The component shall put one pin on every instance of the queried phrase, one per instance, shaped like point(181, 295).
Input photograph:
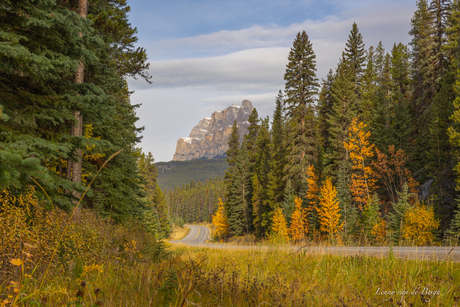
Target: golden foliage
point(329, 211)
point(299, 222)
point(360, 150)
point(313, 189)
point(220, 221)
point(419, 224)
point(30, 234)
point(89, 155)
point(312, 180)
point(379, 231)
point(279, 225)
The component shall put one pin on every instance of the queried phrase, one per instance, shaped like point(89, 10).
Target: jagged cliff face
point(210, 137)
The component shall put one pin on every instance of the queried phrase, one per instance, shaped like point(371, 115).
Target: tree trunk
point(77, 127)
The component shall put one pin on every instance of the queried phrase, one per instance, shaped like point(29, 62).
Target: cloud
point(194, 76)
point(255, 58)
point(375, 23)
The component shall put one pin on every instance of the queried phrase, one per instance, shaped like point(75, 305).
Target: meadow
point(49, 258)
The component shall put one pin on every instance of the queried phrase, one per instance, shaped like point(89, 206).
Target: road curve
point(198, 235)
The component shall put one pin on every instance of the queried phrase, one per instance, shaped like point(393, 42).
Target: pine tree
point(324, 108)
point(370, 216)
point(349, 211)
point(400, 119)
point(163, 213)
point(257, 207)
point(328, 209)
point(300, 90)
point(288, 203)
point(240, 218)
point(396, 216)
point(276, 184)
point(232, 156)
point(151, 222)
point(251, 139)
point(453, 233)
point(425, 78)
point(262, 170)
point(344, 109)
point(355, 55)
point(369, 87)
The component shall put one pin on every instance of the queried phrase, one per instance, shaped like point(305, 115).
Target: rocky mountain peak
point(209, 138)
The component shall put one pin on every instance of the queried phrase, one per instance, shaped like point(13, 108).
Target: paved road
point(199, 234)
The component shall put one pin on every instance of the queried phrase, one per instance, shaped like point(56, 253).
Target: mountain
point(209, 138)
point(178, 173)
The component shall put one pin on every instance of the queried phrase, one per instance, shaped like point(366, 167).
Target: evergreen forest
point(65, 109)
point(368, 154)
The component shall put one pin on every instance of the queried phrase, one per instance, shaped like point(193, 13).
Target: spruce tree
point(368, 87)
point(355, 55)
point(262, 170)
point(277, 163)
point(396, 216)
point(300, 90)
point(232, 156)
point(288, 203)
point(324, 111)
point(400, 119)
point(344, 109)
point(239, 214)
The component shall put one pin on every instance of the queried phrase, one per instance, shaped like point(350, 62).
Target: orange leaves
point(299, 223)
point(219, 220)
point(312, 180)
point(328, 210)
point(392, 172)
point(360, 150)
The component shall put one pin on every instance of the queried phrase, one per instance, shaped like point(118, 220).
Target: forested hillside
point(178, 173)
point(370, 153)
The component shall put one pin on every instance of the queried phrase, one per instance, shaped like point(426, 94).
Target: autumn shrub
point(31, 234)
point(419, 225)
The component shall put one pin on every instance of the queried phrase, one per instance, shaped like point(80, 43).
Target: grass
point(277, 277)
point(178, 233)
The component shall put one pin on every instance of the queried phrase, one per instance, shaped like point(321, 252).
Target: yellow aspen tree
point(299, 223)
point(360, 151)
point(279, 225)
point(220, 221)
point(329, 211)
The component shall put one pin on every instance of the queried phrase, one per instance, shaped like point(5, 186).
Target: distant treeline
point(195, 202)
point(178, 173)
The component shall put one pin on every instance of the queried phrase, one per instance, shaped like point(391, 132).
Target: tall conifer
point(300, 90)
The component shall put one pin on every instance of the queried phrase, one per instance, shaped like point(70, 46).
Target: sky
point(206, 55)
